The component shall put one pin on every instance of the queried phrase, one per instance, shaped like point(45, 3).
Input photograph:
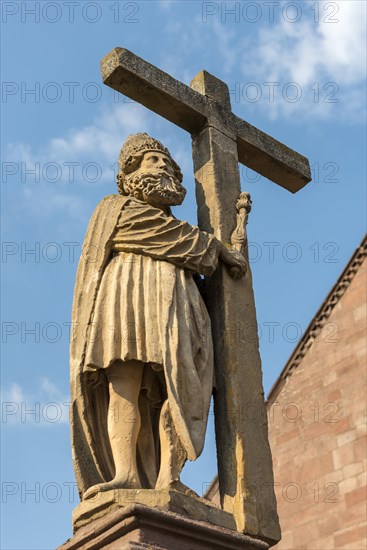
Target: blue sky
point(295, 70)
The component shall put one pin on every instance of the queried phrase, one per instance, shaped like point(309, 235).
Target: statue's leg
point(123, 420)
point(173, 455)
point(123, 425)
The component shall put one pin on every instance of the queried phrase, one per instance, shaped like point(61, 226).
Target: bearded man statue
point(142, 352)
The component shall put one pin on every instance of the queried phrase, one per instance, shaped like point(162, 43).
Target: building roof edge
point(318, 321)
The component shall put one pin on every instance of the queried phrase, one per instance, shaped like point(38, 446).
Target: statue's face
point(153, 161)
point(155, 181)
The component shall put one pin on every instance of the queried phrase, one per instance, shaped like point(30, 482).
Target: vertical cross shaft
point(244, 457)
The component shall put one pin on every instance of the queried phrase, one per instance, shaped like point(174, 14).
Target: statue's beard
point(158, 189)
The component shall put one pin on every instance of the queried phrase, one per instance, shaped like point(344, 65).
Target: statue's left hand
point(235, 261)
point(237, 273)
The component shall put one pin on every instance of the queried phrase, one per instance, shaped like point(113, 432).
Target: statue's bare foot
point(110, 486)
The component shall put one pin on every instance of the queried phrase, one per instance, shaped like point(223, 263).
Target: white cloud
point(326, 45)
point(307, 53)
point(99, 140)
point(165, 5)
point(44, 202)
point(312, 54)
point(13, 394)
point(343, 44)
point(49, 388)
point(304, 49)
point(102, 138)
point(46, 407)
point(93, 150)
point(224, 39)
point(98, 145)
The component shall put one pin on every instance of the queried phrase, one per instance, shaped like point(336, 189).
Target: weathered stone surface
point(164, 368)
point(220, 141)
point(142, 360)
point(129, 74)
point(244, 458)
point(190, 506)
point(143, 527)
point(189, 109)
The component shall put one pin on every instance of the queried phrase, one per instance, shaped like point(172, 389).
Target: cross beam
point(186, 107)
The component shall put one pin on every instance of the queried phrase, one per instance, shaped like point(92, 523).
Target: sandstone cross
point(220, 141)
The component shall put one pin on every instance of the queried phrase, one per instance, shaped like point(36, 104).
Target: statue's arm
point(147, 230)
point(143, 229)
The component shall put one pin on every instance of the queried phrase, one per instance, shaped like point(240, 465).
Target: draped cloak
point(135, 298)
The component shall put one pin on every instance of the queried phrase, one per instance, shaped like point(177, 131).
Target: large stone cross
point(220, 141)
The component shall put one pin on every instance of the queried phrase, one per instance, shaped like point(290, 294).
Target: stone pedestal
point(188, 505)
point(142, 527)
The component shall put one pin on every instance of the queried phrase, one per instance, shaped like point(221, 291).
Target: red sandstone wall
point(317, 431)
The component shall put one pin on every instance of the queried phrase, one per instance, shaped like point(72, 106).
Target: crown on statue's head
point(132, 152)
point(135, 146)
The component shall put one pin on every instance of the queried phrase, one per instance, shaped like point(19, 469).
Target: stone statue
point(142, 351)
point(145, 347)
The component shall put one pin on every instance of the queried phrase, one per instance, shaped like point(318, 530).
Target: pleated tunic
point(147, 288)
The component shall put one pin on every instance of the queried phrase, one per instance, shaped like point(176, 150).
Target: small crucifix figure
point(218, 251)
